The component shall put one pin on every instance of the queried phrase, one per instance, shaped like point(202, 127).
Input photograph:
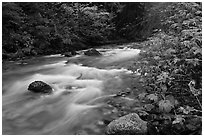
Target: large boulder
point(130, 124)
point(92, 52)
point(40, 87)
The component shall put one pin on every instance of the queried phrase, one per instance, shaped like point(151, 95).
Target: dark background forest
point(31, 29)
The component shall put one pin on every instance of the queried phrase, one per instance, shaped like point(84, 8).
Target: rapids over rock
point(80, 85)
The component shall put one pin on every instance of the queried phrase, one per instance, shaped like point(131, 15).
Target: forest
point(31, 29)
point(165, 94)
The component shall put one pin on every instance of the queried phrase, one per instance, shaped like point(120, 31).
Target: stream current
point(79, 83)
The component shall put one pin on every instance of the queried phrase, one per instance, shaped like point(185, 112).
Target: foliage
point(171, 69)
point(128, 19)
point(53, 27)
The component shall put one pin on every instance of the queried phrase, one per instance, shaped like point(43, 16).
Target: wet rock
point(121, 47)
point(40, 87)
point(67, 54)
point(130, 124)
point(92, 52)
point(70, 53)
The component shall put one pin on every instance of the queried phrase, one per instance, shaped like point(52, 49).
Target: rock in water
point(40, 87)
point(92, 52)
point(70, 54)
point(130, 124)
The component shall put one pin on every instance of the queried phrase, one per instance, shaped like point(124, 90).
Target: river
point(80, 85)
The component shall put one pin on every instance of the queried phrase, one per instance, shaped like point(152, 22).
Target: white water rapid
point(77, 88)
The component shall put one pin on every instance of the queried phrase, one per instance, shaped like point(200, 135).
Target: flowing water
point(79, 89)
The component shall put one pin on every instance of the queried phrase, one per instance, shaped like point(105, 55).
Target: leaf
point(173, 101)
point(142, 113)
point(157, 58)
point(169, 51)
point(176, 60)
point(186, 43)
point(162, 77)
point(176, 71)
point(164, 88)
point(165, 106)
point(155, 123)
point(148, 107)
point(145, 62)
point(152, 97)
point(191, 127)
point(195, 61)
point(194, 123)
point(142, 96)
point(194, 91)
point(186, 110)
point(141, 80)
point(178, 119)
point(166, 117)
point(196, 50)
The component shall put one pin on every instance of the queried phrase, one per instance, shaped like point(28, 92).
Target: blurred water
point(73, 105)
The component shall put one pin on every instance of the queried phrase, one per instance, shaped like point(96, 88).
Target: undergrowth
point(171, 69)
